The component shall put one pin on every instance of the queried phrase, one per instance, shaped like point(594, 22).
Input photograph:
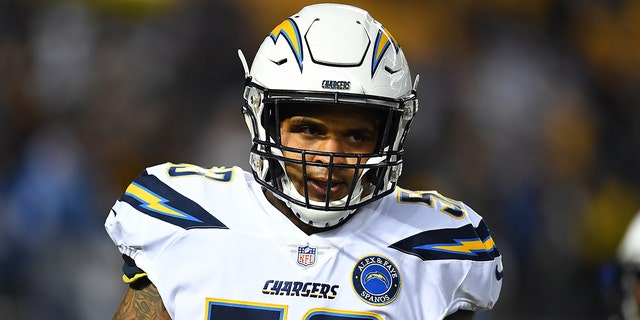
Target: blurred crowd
point(529, 113)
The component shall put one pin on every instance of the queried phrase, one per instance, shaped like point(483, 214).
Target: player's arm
point(461, 315)
point(141, 302)
point(142, 299)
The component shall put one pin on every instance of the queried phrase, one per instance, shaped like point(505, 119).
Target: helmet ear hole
point(373, 175)
point(276, 171)
point(269, 122)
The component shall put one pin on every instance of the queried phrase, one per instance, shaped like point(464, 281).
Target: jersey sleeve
point(480, 267)
point(481, 285)
point(137, 235)
point(155, 208)
point(457, 250)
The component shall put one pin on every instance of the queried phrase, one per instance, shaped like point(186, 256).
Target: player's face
point(337, 129)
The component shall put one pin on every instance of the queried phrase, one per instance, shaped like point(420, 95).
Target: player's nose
point(328, 148)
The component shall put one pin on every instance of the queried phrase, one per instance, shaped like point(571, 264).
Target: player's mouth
point(318, 188)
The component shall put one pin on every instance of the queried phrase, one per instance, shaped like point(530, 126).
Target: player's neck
point(282, 207)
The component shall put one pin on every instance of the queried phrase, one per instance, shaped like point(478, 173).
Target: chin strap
point(315, 217)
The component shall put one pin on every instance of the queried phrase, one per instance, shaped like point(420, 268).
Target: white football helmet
point(629, 258)
point(335, 55)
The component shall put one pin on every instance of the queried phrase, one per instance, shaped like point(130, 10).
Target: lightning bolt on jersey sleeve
point(151, 211)
point(217, 249)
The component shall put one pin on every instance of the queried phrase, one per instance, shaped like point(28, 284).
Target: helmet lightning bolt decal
point(154, 202)
point(289, 30)
point(383, 41)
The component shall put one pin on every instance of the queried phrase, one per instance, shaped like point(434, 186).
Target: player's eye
point(310, 129)
point(359, 136)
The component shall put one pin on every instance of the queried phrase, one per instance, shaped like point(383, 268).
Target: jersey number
point(232, 310)
point(449, 206)
point(220, 174)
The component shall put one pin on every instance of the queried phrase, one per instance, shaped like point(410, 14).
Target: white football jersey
point(217, 249)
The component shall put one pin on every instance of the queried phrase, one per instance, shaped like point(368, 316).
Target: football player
point(629, 260)
point(319, 228)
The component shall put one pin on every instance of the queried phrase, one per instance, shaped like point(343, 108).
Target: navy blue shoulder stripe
point(464, 243)
point(151, 196)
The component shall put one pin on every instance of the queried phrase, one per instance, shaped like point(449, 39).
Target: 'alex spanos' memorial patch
point(376, 280)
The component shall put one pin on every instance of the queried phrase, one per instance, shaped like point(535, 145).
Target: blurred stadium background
point(529, 112)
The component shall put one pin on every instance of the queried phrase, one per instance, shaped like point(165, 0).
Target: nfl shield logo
point(306, 256)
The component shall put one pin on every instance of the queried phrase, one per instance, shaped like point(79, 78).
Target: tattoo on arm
point(141, 302)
